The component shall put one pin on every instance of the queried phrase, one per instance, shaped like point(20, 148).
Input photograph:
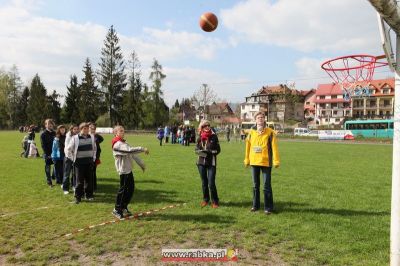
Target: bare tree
point(203, 96)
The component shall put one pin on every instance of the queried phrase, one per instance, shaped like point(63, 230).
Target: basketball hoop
point(353, 73)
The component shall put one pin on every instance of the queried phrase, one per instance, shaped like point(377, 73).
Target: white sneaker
point(66, 192)
point(61, 186)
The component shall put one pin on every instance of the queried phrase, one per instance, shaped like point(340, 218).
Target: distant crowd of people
point(178, 134)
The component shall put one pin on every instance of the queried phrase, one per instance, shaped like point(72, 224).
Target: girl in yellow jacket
point(261, 154)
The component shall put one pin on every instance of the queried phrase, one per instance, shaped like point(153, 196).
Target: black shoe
point(254, 209)
point(50, 185)
point(126, 212)
point(118, 214)
point(77, 201)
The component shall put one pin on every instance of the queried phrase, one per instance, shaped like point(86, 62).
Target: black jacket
point(208, 151)
point(46, 139)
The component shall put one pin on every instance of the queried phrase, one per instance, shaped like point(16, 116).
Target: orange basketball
point(208, 22)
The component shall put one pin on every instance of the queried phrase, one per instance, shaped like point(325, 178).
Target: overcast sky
point(257, 43)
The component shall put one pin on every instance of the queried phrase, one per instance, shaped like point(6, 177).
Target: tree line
point(113, 94)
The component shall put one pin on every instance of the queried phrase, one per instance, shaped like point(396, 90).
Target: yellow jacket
point(262, 149)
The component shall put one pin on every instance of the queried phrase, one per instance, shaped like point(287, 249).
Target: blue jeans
point(268, 198)
point(207, 174)
point(59, 170)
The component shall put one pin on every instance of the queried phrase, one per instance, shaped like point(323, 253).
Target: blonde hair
point(203, 123)
point(259, 113)
point(116, 129)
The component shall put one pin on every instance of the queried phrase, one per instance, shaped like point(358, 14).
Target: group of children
point(75, 155)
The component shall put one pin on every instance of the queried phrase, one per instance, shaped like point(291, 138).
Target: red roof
point(335, 89)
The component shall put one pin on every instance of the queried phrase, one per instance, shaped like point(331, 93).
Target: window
point(335, 112)
point(308, 103)
point(334, 97)
point(334, 105)
point(337, 120)
point(326, 119)
point(253, 106)
point(386, 103)
point(322, 97)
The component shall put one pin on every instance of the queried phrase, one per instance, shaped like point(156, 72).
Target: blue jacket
point(56, 154)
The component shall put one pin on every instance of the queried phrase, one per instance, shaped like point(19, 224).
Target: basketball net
point(353, 73)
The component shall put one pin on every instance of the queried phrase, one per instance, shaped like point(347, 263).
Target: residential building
point(279, 103)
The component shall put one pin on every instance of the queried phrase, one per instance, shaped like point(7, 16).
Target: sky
point(257, 42)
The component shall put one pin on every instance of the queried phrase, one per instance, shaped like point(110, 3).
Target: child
point(83, 149)
point(46, 139)
point(160, 134)
point(98, 139)
point(68, 160)
point(123, 155)
point(24, 144)
point(57, 153)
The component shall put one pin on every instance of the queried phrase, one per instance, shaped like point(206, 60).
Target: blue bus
point(370, 128)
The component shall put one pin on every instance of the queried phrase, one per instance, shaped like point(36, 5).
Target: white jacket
point(68, 139)
point(72, 147)
point(124, 154)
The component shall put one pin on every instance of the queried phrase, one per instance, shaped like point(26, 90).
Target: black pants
point(59, 170)
point(84, 181)
point(207, 174)
point(267, 188)
point(125, 192)
point(95, 177)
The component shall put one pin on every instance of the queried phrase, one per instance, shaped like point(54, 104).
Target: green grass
point(332, 202)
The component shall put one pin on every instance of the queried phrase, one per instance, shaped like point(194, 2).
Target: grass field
point(332, 208)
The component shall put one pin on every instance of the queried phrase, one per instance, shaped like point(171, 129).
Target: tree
point(90, 95)
point(111, 75)
point(4, 117)
point(71, 106)
point(203, 96)
point(53, 107)
point(37, 102)
point(22, 116)
point(133, 108)
point(160, 112)
point(14, 97)
point(176, 105)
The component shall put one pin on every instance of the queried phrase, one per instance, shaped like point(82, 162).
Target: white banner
point(335, 134)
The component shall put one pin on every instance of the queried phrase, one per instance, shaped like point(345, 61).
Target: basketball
point(208, 22)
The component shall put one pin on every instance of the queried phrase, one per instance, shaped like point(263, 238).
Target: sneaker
point(268, 212)
point(118, 214)
point(90, 199)
point(50, 185)
point(77, 201)
point(126, 212)
point(253, 209)
point(214, 205)
point(66, 192)
point(203, 204)
point(61, 186)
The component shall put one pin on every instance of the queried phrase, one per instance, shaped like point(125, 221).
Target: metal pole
point(395, 208)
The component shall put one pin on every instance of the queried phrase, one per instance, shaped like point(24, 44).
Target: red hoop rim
point(358, 57)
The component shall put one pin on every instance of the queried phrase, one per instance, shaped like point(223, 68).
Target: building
point(309, 103)
point(219, 113)
point(379, 104)
point(279, 103)
point(332, 108)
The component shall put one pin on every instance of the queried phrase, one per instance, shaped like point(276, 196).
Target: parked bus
point(370, 128)
point(246, 126)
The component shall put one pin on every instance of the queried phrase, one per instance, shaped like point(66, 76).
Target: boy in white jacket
point(123, 155)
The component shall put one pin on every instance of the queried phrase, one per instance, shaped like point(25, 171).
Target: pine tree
point(133, 111)
point(111, 75)
point(160, 112)
point(37, 102)
point(176, 105)
point(71, 106)
point(53, 107)
point(90, 95)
